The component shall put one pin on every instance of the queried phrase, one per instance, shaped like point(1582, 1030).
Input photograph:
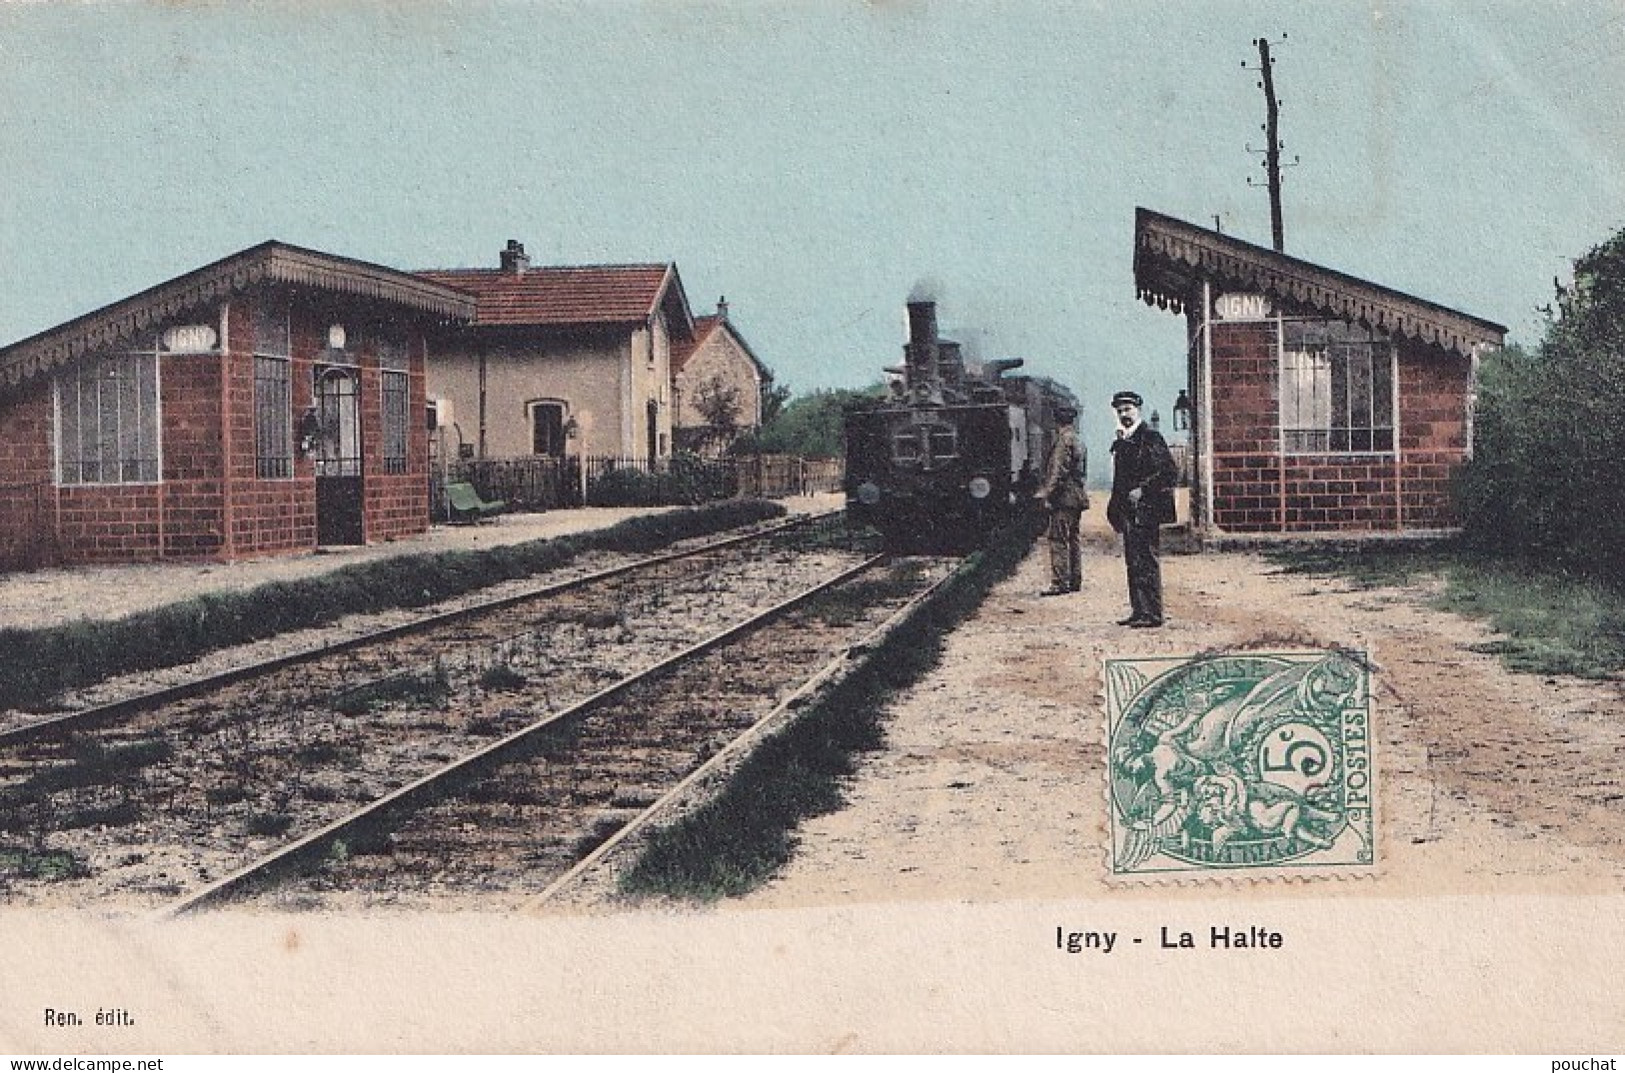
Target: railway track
point(521, 816)
point(151, 798)
point(77, 720)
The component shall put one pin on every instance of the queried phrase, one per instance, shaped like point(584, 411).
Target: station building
point(264, 404)
point(1323, 404)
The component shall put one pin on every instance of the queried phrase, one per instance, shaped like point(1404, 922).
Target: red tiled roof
point(594, 294)
point(681, 352)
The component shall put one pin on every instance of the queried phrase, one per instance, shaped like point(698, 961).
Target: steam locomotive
point(950, 456)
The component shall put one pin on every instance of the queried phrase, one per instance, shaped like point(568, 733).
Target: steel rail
point(113, 711)
point(840, 661)
point(486, 757)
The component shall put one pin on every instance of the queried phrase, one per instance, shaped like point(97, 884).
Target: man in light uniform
point(1067, 497)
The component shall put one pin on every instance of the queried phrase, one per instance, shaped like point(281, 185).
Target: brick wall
point(395, 504)
point(1256, 489)
point(210, 504)
point(1246, 457)
point(27, 491)
point(194, 495)
point(1432, 435)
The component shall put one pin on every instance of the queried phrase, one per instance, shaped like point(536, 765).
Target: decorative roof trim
point(1172, 257)
point(671, 290)
point(269, 262)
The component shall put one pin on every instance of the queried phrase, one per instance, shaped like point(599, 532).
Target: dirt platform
point(991, 786)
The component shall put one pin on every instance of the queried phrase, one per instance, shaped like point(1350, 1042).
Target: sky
point(817, 160)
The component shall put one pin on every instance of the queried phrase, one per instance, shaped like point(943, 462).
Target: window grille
point(338, 444)
point(395, 421)
point(1336, 389)
point(392, 353)
point(107, 420)
point(271, 336)
point(273, 402)
point(273, 418)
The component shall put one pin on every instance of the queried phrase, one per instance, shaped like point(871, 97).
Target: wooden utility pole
point(1272, 151)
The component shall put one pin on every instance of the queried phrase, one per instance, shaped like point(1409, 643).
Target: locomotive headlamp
point(979, 487)
point(868, 493)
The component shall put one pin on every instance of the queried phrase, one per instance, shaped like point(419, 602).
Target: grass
point(1365, 567)
point(91, 763)
point(268, 823)
point(740, 838)
point(501, 677)
point(19, 862)
point(1553, 623)
point(42, 662)
point(417, 689)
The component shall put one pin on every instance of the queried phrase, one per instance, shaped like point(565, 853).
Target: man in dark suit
point(1143, 478)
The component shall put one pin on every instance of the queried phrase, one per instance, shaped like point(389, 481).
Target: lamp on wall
point(1183, 412)
point(571, 428)
point(310, 427)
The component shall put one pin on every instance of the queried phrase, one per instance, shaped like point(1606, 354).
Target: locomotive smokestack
point(922, 322)
point(920, 355)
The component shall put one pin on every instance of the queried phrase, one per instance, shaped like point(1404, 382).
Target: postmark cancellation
point(1240, 764)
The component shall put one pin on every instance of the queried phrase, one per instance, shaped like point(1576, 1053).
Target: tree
point(718, 404)
point(1546, 478)
point(774, 396)
point(811, 425)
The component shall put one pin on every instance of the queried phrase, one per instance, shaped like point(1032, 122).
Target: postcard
point(810, 527)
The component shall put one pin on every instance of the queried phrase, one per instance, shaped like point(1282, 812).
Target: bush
point(41, 662)
point(686, 480)
point(1546, 480)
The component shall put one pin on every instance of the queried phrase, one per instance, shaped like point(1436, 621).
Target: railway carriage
point(949, 457)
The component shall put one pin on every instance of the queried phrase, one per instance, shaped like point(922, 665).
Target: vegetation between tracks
point(741, 837)
point(1552, 622)
point(41, 662)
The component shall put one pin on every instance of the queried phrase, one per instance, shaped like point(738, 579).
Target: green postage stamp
point(1240, 762)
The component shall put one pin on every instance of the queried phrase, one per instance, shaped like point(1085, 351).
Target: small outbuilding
point(1321, 403)
point(267, 403)
point(717, 385)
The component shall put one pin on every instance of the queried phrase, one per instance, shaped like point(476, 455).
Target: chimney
point(514, 260)
point(722, 308)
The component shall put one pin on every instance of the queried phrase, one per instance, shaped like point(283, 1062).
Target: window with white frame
point(107, 419)
point(1337, 388)
point(273, 402)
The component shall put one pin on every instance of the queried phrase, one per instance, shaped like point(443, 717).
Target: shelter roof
point(269, 262)
point(1173, 258)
